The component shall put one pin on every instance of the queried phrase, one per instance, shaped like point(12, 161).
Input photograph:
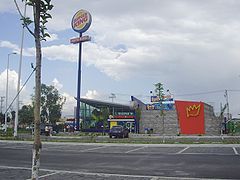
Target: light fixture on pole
point(19, 77)
point(172, 95)
point(6, 105)
point(112, 96)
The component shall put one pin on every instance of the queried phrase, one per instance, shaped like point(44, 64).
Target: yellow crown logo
point(193, 110)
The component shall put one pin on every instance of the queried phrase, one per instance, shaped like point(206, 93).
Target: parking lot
point(224, 149)
point(150, 151)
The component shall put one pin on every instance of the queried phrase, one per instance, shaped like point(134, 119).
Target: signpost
point(81, 21)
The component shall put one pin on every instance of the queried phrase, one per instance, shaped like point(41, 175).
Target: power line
point(234, 90)
point(201, 93)
point(21, 89)
point(182, 95)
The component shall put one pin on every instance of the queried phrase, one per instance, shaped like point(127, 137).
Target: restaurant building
point(169, 117)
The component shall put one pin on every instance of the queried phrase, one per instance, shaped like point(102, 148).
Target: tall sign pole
point(81, 21)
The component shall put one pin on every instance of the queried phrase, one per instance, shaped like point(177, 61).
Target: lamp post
point(6, 105)
point(112, 96)
point(19, 76)
point(1, 101)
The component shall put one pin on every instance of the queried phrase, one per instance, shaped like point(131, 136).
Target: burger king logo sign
point(81, 21)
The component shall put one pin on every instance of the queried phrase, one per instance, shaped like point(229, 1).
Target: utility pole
point(1, 101)
point(227, 103)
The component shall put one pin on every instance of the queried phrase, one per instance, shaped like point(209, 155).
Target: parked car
point(44, 129)
point(119, 131)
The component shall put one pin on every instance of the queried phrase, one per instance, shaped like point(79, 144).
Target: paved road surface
point(119, 161)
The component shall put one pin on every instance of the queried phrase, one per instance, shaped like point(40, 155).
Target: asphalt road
point(120, 161)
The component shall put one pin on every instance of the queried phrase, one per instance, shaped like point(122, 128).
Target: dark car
point(119, 131)
point(44, 129)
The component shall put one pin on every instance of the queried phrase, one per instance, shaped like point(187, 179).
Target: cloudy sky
point(190, 46)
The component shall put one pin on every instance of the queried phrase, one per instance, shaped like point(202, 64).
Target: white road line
point(46, 175)
point(235, 151)
point(135, 149)
point(217, 154)
point(86, 150)
point(103, 174)
point(179, 152)
point(14, 167)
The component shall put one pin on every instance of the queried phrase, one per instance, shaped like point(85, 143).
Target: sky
point(190, 46)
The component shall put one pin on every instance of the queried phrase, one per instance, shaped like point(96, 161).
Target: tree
point(26, 115)
point(159, 90)
point(40, 18)
point(105, 116)
point(101, 116)
point(51, 104)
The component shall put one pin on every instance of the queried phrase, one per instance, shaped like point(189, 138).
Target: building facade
point(184, 118)
point(163, 118)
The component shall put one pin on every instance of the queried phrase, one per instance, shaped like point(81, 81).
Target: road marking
point(126, 175)
point(179, 152)
point(85, 150)
point(217, 154)
point(48, 175)
point(101, 174)
point(154, 178)
point(14, 167)
point(235, 151)
point(135, 149)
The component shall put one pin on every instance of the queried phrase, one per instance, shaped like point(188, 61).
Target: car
point(44, 129)
point(119, 131)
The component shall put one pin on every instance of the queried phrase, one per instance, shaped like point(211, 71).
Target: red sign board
point(190, 117)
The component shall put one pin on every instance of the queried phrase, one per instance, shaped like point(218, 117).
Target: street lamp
point(172, 95)
point(19, 76)
point(6, 111)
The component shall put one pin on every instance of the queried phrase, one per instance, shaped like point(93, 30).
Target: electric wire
point(20, 89)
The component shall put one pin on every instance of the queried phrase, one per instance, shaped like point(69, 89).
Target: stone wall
point(168, 124)
point(212, 123)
